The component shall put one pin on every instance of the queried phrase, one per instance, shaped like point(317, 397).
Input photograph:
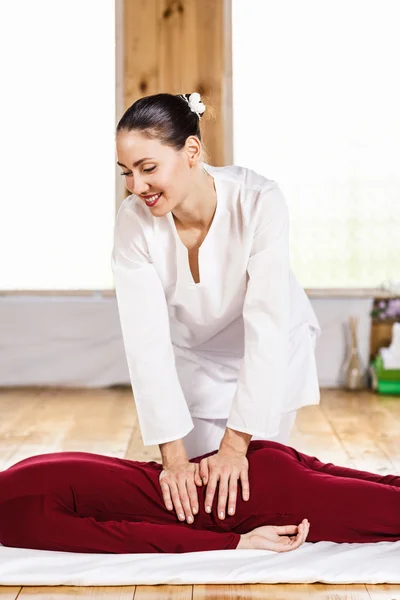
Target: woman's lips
point(154, 201)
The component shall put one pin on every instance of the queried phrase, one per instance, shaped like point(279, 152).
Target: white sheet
point(324, 562)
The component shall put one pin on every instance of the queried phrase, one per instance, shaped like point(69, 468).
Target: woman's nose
point(140, 187)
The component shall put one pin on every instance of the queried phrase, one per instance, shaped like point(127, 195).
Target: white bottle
point(391, 355)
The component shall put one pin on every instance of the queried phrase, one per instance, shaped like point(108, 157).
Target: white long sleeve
point(162, 409)
point(257, 403)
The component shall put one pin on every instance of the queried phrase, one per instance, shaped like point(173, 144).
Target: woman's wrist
point(244, 542)
point(235, 441)
point(173, 453)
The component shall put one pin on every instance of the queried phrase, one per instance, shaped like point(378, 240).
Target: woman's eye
point(144, 170)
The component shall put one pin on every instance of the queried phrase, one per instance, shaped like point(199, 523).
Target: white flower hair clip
point(195, 103)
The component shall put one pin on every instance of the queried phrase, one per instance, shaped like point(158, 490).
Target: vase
point(353, 368)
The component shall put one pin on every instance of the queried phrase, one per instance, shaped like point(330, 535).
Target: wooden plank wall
point(182, 46)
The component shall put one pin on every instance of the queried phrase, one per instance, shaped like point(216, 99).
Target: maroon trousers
point(83, 502)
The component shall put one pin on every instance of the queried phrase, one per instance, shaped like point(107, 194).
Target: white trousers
point(207, 434)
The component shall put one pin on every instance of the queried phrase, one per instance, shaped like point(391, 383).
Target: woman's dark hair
point(166, 117)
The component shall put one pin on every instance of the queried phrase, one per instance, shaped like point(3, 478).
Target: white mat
point(324, 562)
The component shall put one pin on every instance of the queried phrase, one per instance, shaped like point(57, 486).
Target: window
point(57, 188)
point(316, 107)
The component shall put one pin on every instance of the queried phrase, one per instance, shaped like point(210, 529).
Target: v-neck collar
point(183, 253)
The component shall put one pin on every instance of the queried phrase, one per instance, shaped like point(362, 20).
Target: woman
point(82, 502)
point(219, 336)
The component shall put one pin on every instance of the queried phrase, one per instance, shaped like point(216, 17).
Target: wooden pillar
point(182, 46)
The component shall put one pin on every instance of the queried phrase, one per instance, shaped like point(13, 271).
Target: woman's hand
point(277, 539)
point(225, 467)
point(177, 482)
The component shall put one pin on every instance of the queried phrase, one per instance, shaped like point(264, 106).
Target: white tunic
point(218, 348)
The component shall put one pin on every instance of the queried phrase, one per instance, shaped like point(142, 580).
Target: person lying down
point(84, 502)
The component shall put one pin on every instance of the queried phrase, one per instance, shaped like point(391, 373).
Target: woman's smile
point(152, 200)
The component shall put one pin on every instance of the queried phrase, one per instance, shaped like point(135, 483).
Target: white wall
point(77, 341)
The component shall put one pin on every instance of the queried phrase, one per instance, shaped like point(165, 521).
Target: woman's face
point(151, 168)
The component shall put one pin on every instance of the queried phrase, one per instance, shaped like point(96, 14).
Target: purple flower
point(393, 308)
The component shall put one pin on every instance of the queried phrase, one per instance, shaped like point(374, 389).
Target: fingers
point(305, 525)
point(224, 469)
point(204, 470)
point(192, 493)
point(293, 543)
point(233, 484)
point(227, 489)
point(222, 494)
point(210, 493)
point(197, 476)
point(287, 529)
point(228, 483)
point(176, 500)
point(244, 480)
point(300, 537)
point(166, 494)
point(179, 491)
point(184, 498)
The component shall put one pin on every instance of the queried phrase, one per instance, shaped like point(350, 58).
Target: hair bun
point(195, 103)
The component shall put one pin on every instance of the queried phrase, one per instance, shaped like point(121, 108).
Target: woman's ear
point(193, 150)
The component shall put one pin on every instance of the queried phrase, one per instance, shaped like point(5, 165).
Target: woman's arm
point(173, 452)
point(235, 441)
point(262, 378)
point(256, 406)
point(45, 523)
point(161, 406)
point(163, 413)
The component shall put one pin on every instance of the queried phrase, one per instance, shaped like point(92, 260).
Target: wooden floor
point(361, 431)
